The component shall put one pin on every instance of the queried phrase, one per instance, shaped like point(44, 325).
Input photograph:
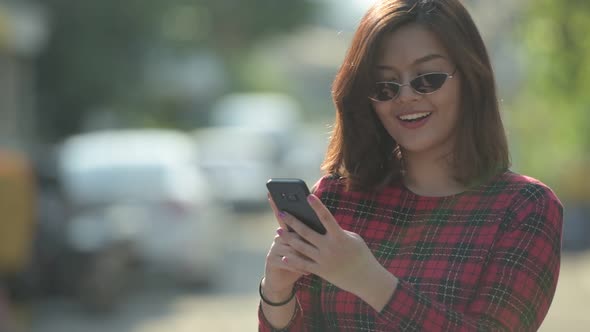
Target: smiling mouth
point(414, 117)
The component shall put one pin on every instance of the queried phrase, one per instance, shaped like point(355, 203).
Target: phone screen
point(290, 195)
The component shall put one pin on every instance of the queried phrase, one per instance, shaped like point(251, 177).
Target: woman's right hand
point(279, 278)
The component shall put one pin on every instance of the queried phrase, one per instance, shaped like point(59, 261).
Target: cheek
point(388, 121)
point(383, 113)
point(448, 105)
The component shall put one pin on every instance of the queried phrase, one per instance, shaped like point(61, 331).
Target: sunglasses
point(423, 85)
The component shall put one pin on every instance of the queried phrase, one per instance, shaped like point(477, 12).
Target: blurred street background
point(136, 138)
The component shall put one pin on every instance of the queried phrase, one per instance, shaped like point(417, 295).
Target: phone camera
point(290, 197)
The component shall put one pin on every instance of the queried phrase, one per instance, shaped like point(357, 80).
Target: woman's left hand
point(339, 256)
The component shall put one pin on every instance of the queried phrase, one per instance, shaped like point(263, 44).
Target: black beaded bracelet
point(274, 304)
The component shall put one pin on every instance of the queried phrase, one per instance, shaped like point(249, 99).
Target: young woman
point(427, 228)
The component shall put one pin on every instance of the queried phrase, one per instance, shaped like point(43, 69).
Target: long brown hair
point(362, 151)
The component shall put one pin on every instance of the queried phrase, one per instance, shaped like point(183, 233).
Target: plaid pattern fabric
point(483, 260)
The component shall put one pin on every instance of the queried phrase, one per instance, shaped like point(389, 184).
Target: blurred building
point(23, 32)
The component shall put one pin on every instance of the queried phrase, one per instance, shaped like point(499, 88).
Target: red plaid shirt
point(483, 260)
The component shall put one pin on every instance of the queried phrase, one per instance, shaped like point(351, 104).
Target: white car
point(250, 137)
point(275, 116)
point(143, 187)
point(239, 161)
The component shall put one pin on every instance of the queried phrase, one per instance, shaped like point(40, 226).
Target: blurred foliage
point(96, 55)
point(552, 114)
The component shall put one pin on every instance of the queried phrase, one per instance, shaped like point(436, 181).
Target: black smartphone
point(290, 195)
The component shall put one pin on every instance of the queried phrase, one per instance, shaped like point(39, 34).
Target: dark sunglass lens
point(385, 91)
point(429, 83)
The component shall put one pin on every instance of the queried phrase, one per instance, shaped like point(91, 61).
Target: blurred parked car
point(305, 158)
point(238, 161)
point(140, 195)
point(274, 115)
point(250, 137)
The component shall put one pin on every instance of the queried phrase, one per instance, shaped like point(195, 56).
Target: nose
point(407, 94)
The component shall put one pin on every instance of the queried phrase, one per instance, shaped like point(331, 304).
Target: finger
point(281, 246)
point(278, 262)
point(301, 229)
point(303, 248)
point(299, 263)
point(276, 211)
point(287, 236)
point(279, 240)
point(324, 214)
point(293, 240)
point(276, 258)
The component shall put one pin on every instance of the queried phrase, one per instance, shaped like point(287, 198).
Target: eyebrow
point(418, 61)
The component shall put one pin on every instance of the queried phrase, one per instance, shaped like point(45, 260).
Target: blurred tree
point(552, 114)
point(96, 54)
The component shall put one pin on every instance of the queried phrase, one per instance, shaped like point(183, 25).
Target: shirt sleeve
point(517, 284)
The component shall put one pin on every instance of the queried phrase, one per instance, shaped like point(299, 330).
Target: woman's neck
point(429, 175)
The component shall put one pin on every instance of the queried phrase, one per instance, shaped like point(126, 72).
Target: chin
point(423, 147)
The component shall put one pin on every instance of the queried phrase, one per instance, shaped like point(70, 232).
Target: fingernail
point(282, 214)
point(311, 198)
point(280, 231)
point(284, 259)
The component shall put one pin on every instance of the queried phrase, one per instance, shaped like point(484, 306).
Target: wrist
point(275, 294)
point(276, 299)
point(378, 288)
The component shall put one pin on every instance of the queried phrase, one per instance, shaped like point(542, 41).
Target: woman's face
point(419, 123)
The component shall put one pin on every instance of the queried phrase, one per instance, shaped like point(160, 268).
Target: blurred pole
point(23, 33)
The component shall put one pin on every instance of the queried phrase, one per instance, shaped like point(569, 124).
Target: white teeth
point(414, 116)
